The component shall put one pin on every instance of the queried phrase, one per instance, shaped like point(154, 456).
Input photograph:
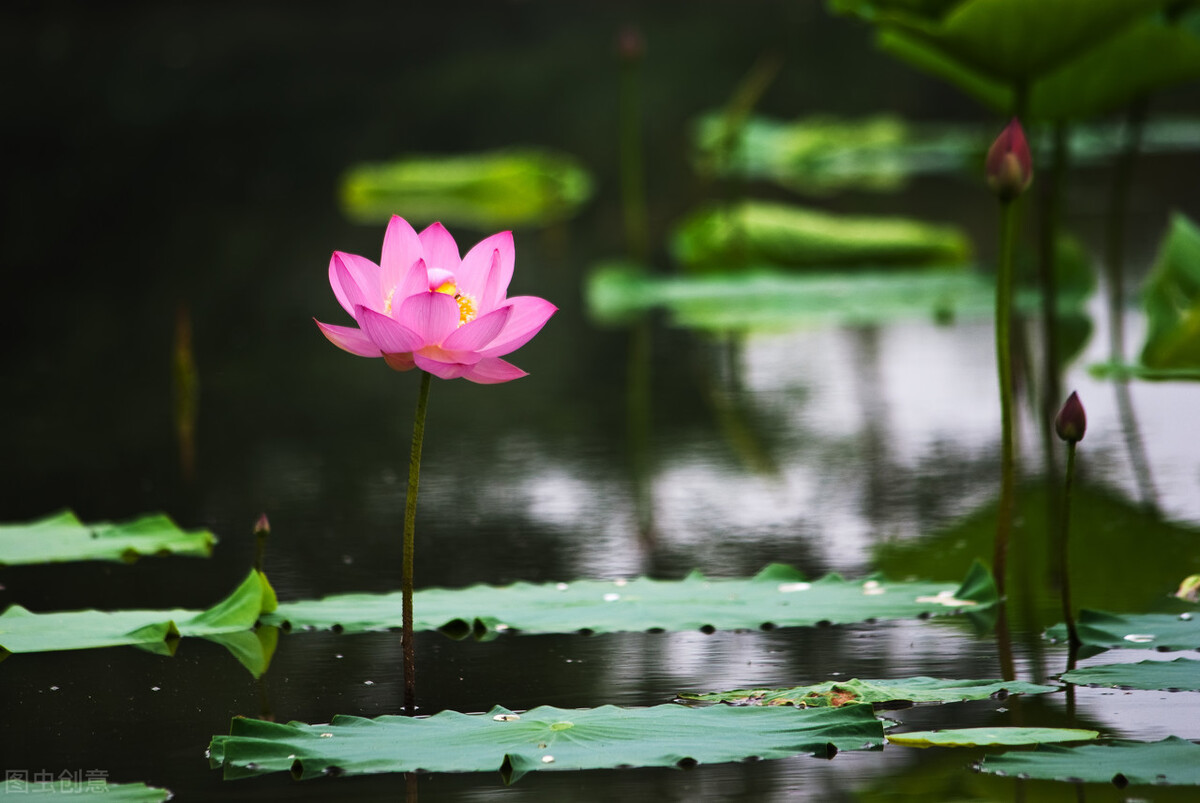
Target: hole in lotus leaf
point(830, 750)
point(707, 630)
point(332, 771)
point(767, 626)
point(686, 763)
point(656, 630)
point(337, 628)
point(824, 623)
point(1120, 781)
point(585, 631)
point(297, 770)
point(479, 629)
point(1000, 694)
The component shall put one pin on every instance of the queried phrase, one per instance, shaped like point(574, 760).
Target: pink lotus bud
point(262, 527)
point(1071, 421)
point(1009, 165)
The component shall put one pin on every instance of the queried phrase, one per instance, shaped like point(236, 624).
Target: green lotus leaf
point(68, 791)
point(761, 300)
point(777, 596)
point(982, 737)
point(1180, 674)
point(756, 234)
point(1101, 631)
point(63, 537)
point(544, 738)
point(22, 631)
point(484, 190)
point(1172, 300)
point(1171, 762)
point(838, 693)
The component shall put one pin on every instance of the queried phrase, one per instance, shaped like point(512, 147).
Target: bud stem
point(1004, 285)
point(410, 526)
point(1073, 642)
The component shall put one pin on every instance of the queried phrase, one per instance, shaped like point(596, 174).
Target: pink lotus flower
point(424, 307)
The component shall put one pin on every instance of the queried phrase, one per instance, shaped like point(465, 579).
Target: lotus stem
point(410, 525)
point(1004, 283)
point(1065, 581)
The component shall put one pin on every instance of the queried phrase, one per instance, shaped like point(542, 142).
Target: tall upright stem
point(1065, 580)
point(1004, 285)
point(410, 526)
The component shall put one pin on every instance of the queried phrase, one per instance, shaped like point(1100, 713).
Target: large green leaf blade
point(544, 738)
point(63, 537)
point(1172, 761)
point(912, 690)
point(778, 595)
point(1178, 675)
point(1172, 300)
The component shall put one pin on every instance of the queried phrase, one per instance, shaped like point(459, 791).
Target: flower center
point(387, 302)
point(467, 305)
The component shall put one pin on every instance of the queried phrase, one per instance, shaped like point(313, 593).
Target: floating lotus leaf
point(838, 693)
point(22, 631)
point(764, 300)
point(778, 596)
point(68, 791)
point(1171, 762)
point(544, 738)
point(485, 190)
point(982, 737)
point(1180, 674)
point(63, 537)
point(756, 234)
point(1101, 631)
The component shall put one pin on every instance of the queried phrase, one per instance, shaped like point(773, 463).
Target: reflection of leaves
point(22, 631)
point(1173, 761)
point(1172, 300)
point(1102, 525)
point(544, 738)
point(981, 737)
point(1182, 673)
point(57, 790)
point(764, 300)
point(63, 537)
point(1101, 631)
point(777, 595)
point(838, 693)
point(487, 190)
point(759, 234)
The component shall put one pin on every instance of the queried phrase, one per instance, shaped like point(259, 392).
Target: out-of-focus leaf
point(757, 234)
point(1171, 762)
point(1180, 674)
point(770, 299)
point(544, 738)
point(63, 537)
point(838, 693)
point(70, 791)
point(778, 595)
point(1022, 40)
point(872, 9)
point(484, 190)
point(1172, 300)
point(1164, 550)
point(23, 631)
point(982, 737)
point(1101, 631)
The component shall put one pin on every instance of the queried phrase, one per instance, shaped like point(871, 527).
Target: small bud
point(631, 45)
point(1071, 421)
point(1009, 165)
point(262, 527)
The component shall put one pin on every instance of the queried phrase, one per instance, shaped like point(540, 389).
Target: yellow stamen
point(387, 302)
point(466, 308)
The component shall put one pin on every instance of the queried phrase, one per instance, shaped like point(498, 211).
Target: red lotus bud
point(262, 527)
point(1009, 165)
point(1071, 421)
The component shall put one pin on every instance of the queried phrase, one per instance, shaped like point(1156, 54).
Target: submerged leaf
point(63, 537)
point(22, 631)
point(838, 693)
point(487, 190)
point(778, 595)
point(1180, 674)
point(981, 737)
point(544, 738)
point(756, 234)
point(1173, 761)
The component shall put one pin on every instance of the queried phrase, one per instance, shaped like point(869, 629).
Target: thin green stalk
point(1065, 581)
point(410, 526)
point(1004, 285)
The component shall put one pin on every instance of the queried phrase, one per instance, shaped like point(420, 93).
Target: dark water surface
point(160, 158)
